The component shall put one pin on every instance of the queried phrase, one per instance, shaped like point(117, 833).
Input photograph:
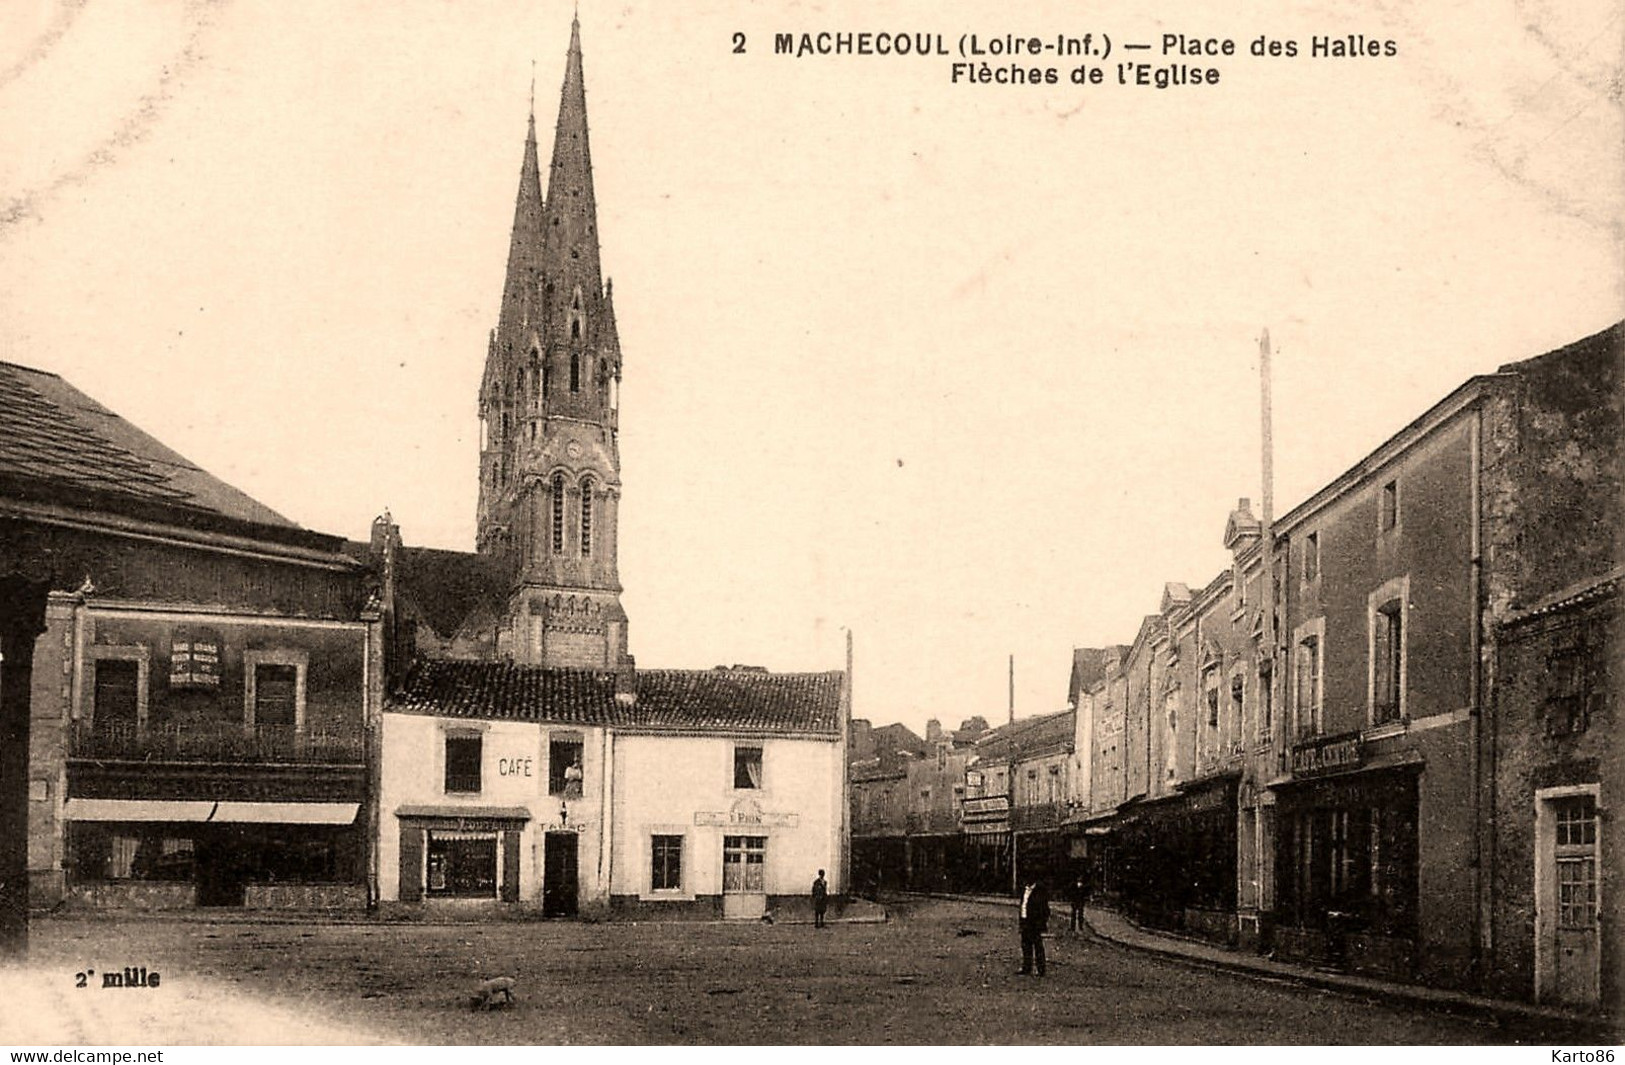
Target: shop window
point(666, 863)
point(564, 770)
point(463, 764)
point(747, 766)
point(462, 865)
point(100, 853)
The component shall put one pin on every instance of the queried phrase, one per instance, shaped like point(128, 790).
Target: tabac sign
point(746, 813)
point(1327, 756)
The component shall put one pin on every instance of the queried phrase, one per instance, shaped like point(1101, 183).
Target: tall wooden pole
point(1262, 847)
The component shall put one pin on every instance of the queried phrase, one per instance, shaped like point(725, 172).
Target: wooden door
point(559, 875)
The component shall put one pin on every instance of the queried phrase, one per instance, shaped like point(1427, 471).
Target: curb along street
point(1113, 927)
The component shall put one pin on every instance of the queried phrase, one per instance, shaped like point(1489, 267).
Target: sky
point(967, 369)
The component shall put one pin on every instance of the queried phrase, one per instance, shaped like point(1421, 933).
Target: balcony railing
point(217, 741)
point(1040, 815)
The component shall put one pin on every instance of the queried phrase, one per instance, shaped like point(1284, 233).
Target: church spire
point(521, 312)
point(571, 241)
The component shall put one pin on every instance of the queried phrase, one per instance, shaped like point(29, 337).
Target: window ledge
point(1384, 730)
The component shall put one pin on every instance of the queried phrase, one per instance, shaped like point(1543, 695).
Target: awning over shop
point(262, 813)
point(136, 810)
point(286, 813)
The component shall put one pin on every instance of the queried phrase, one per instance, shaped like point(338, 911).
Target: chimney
point(385, 535)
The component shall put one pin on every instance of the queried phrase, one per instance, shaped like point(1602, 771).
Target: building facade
point(203, 680)
point(712, 793)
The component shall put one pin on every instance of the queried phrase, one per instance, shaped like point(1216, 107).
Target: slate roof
point(58, 445)
point(666, 700)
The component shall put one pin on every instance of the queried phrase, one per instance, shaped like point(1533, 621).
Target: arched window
point(575, 372)
point(558, 513)
point(547, 377)
point(586, 516)
point(575, 329)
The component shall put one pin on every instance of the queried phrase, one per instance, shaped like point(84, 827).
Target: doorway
point(1568, 937)
point(744, 880)
point(559, 876)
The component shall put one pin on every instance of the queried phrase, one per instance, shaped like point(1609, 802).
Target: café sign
point(1327, 756)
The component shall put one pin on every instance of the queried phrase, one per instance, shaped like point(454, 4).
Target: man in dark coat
point(1034, 917)
point(820, 897)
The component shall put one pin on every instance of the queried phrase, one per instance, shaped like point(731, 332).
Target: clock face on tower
point(573, 449)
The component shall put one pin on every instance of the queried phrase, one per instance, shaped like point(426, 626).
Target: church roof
point(654, 700)
point(443, 588)
point(59, 446)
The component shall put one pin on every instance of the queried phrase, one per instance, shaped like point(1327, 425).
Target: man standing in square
point(820, 897)
point(1034, 922)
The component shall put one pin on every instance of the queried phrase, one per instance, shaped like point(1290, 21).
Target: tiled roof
point(669, 700)
point(1586, 591)
point(59, 445)
point(681, 699)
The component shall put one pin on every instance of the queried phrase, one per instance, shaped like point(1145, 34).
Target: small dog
point(493, 993)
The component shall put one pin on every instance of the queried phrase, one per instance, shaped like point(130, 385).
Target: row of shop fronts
point(1384, 737)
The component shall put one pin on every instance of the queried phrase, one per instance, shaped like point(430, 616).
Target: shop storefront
point(1174, 860)
point(161, 855)
point(1346, 861)
point(459, 853)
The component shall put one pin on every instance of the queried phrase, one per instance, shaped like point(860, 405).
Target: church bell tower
point(550, 471)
